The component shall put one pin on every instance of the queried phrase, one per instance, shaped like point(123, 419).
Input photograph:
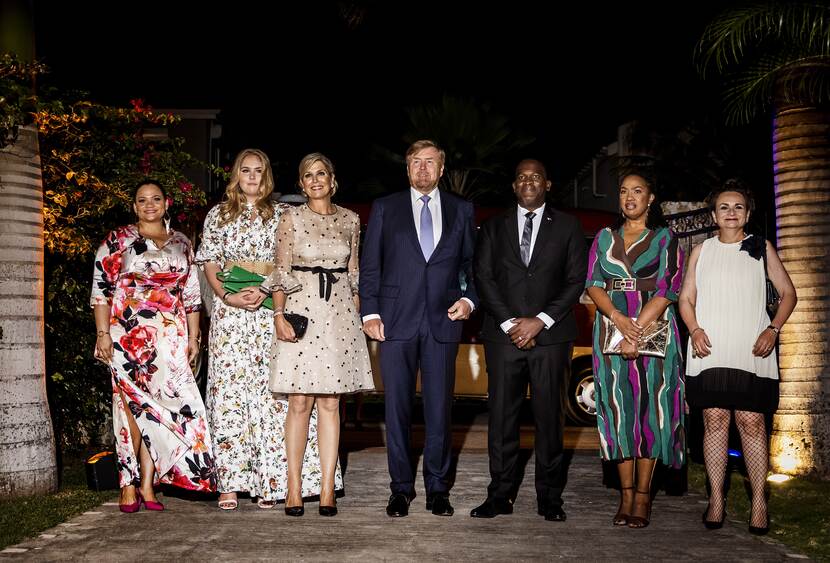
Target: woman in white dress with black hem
point(731, 363)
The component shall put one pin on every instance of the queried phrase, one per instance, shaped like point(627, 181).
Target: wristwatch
point(774, 329)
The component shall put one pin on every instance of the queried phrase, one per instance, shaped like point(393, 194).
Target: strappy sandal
point(640, 521)
point(621, 518)
point(228, 504)
point(266, 504)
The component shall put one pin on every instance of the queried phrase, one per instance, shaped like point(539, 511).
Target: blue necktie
point(427, 239)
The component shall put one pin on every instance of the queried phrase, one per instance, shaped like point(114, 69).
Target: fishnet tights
point(715, 451)
point(756, 457)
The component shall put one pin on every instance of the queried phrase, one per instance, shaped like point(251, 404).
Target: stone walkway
point(195, 530)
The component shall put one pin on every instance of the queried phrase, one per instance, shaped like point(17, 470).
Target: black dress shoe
point(398, 505)
point(492, 508)
point(555, 514)
point(294, 510)
point(439, 504)
point(328, 510)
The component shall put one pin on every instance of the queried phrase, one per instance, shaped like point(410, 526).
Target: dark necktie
point(527, 235)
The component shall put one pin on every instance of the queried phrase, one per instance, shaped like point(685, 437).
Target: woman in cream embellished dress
point(316, 275)
point(247, 421)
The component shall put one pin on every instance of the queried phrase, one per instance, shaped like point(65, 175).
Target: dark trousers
point(509, 370)
point(399, 364)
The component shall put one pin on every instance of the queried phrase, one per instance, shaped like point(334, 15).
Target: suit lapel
point(545, 234)
point(447, 221)
point(407, 220)
point(512, 228)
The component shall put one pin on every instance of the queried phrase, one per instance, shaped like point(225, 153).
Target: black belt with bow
point(327, 278)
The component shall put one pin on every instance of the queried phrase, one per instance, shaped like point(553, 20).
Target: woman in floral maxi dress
point(145, 295)
point(247, 422)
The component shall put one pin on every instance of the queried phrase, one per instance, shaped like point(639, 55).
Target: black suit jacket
point(551, 283)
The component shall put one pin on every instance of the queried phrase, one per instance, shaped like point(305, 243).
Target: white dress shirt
point(537, 222)
point(435, 210)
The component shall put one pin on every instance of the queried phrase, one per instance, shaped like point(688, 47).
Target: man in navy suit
point(416, 288)
point(530, 268)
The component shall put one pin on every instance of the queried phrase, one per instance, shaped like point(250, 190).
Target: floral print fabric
point(149, 291)
point(247, 422)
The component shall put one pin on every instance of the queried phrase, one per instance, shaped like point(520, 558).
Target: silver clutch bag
point(653, 342)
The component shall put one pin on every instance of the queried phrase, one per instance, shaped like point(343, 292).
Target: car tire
point(580, 406)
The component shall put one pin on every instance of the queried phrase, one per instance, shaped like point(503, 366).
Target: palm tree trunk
point(27, 444)
point(801, 159)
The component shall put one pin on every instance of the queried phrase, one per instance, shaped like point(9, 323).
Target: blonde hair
point(232, 204)
point(425, 144)
point(309, 160)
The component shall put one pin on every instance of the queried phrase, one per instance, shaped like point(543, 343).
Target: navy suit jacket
point(395, 279)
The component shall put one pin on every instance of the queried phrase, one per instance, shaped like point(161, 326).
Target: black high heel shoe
point(759, 531)
point(294, 510)
point(713, 524)
point(328, 510)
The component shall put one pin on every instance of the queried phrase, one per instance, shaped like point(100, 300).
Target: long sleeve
point(354, 263)
point(466, 277)
point(670, 270)
point(575, 273)
point(370, 263)
point(282, 277)
point(490, 294)
point(191, 292)
point(108, 261)
point(213, 243)
point(595, 277)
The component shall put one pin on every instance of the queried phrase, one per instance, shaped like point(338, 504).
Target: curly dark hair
point(731, 185)
point(655, 218)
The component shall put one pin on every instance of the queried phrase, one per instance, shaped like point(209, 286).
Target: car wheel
point(581, 406)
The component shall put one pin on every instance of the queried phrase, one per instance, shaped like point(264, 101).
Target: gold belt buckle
point(624, 284)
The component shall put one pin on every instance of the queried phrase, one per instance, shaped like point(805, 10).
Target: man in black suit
point(530, 267)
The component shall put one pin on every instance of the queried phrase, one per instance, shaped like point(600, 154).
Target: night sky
point(298, 78)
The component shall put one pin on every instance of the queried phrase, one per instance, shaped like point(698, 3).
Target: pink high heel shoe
point(132, 507)
point(151, 504)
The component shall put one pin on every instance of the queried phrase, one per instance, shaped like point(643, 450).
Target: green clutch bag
point(236, 279)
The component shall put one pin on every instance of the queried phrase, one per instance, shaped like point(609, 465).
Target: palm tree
point(776, 56)
point(27, 441)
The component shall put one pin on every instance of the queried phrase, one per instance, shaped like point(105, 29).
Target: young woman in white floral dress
point(247, 422)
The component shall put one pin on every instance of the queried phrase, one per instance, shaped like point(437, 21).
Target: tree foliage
point(769, 53)
point(92, 155)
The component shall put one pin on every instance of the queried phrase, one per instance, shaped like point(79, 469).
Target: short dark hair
point(731, 185)
point(150, 182)
point(654, 218)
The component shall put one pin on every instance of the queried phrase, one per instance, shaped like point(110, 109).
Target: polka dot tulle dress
point(317, 267)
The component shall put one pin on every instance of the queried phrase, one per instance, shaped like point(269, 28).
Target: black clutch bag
point(298, 322)
point(102, 472)
point(773, 299)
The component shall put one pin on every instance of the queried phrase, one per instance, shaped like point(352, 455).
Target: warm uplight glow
point(778, 478)
point(786, 462)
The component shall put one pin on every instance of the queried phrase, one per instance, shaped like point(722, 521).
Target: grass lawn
point(799, 510)
point(26, 517)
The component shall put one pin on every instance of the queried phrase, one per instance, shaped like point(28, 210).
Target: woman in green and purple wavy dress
point(634, 277)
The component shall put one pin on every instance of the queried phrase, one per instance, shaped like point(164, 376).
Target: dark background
point(337, 76)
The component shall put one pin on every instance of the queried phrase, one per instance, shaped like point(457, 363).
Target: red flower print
point(160, 300)
point(139, 344)
point(112, 265)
